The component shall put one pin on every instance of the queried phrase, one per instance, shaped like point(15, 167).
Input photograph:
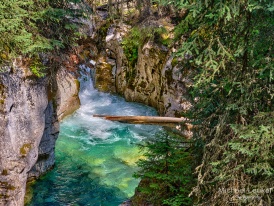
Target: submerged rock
point(126, 203)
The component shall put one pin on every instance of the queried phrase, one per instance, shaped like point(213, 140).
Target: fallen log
point(143, 119)
point(181, 125)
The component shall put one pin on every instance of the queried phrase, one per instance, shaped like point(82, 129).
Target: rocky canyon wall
point(62, 100)
point(30, 110)
point(23, 106)
point(158, 79)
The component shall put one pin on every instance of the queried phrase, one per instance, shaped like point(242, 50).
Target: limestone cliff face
point(22, 119)
point(148, 84)
point(29, 127)
point(67, 98)
point(158, 79)
point(62, 101)
point(46, 156)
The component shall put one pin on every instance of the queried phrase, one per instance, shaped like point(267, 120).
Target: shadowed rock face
point(46, 155)
point(62, 101)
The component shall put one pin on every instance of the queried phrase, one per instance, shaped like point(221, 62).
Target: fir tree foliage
point(29, 27)
point(19, 33)
point(166, 172)
point(230, 46)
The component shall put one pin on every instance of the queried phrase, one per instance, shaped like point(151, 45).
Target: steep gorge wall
point(158, 79)
point(23, 103)
point(31, 109)
point(29, 126)
point(62, 100)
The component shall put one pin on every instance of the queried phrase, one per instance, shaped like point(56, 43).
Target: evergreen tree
point(19, 33)
point(230, 46)
point(29, 27)
point(166, 172)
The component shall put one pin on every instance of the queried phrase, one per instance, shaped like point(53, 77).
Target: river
point(95, 158)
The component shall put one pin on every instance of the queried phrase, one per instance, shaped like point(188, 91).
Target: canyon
point(31, 108)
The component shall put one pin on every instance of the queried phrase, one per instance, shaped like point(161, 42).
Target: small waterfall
point(95, 158)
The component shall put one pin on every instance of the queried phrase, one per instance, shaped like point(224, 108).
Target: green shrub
point(37, 68)
point(131, 44)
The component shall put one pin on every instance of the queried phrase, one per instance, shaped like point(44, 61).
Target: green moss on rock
point(2, 94)
point(4, 172)
point(29, 192)
point(7, 186)
point(25, 149)
point(174, 62)
point(77, 83)
point(103, 78)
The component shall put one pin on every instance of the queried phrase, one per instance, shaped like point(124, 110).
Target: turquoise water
point(95, 158)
